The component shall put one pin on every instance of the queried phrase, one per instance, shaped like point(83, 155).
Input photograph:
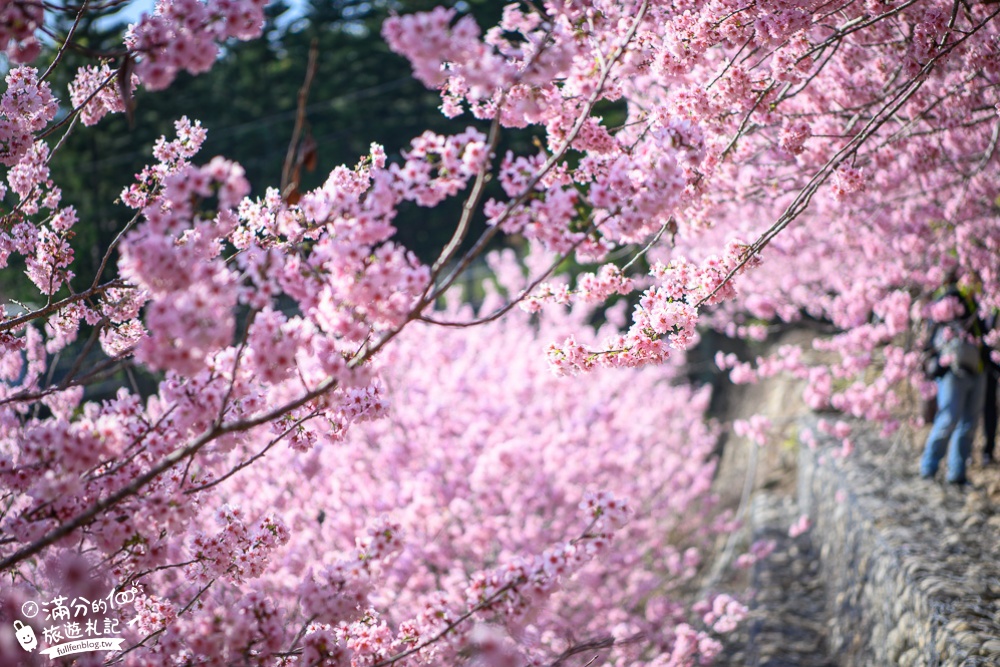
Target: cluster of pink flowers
point(667, 314)
point(438, 167)
point(724, 614)
point(19, 19)
point(175, 260)
point(469, 66)
point(591, 288)
point(27, 106)
point(946, 309)
point(91, 93)
point(185, 35)
point(237, 551)
point(755, 429)
point(847, 181)
point(801, 525)
point(758, 551)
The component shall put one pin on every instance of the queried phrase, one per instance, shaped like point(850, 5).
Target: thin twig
point(15, 322)
point(485, 604)
point(262, 452)
point(91, 340)
point(69, 38)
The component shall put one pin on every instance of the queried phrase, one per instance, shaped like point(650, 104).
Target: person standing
point(957, 366)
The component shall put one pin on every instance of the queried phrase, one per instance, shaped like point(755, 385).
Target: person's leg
point(944, 424)
point(969, 397)
point(990, 416)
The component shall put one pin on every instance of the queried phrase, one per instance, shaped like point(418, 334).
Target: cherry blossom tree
point(334, 467)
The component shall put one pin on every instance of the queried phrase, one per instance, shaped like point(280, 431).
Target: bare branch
point(290, 180)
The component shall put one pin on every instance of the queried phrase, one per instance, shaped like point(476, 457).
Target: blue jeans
point(959, 400)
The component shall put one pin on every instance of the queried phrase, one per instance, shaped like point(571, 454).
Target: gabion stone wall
point(911, 567)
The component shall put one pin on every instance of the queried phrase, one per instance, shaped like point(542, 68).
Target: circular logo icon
point(29, 609)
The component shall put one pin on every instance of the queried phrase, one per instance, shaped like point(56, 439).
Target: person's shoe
point(959, 482)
